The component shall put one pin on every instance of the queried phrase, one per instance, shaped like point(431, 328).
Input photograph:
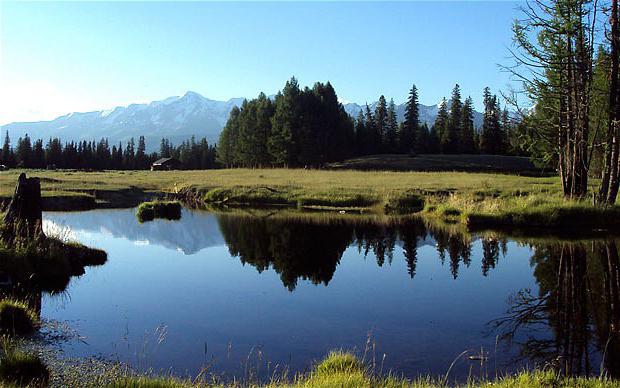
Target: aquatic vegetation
point(22, 368)
point(148, 211)
point(17, 318)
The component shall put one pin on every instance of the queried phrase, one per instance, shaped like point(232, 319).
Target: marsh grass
point(21, 368)
point(344, 370)
point(470, 198)
point(17, 318)
point(169, 210)
point(46, 263)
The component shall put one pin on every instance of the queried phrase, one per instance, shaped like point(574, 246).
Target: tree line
point(99, 155)
point(309, 127)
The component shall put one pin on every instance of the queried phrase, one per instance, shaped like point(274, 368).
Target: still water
point(240, 294)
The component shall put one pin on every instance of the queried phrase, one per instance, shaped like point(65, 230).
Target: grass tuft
point(16, 318)
point(148, 211)
point(338, 361)
point(21, 368)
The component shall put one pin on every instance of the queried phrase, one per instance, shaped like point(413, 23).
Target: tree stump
point(24, 215)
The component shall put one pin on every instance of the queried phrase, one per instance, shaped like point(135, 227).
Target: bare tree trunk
point(610, 180)
point(24, 215)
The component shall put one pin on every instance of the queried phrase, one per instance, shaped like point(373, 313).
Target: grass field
point(440, 162)
point(474, 198)
point(331, 186)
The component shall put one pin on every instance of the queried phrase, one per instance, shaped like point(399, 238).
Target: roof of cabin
point(163, 160)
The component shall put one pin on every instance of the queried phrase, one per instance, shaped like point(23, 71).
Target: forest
point(98, 155)
point(309, 127)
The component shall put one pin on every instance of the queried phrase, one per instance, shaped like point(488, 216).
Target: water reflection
point(428, 290)
point(573, 320)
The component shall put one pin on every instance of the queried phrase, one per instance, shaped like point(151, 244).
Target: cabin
point(166, 164)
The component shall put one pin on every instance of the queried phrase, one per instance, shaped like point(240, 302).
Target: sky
point(57, 58)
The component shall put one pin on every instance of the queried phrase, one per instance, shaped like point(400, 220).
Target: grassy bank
point(343, 370)
point(472, 198)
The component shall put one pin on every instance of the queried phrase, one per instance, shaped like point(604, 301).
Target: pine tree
point(421, 144)
point(23, 152)
point(373, 136)
point(129, 157)
point(228, 144)
point(381, 120)
point(411, 124)
point(38, 154)
point(391, 132)
point(141, 159)
point(491, 139)
point(286, 120)
point(360, 134)
point(450, 140)
point(466, 140)
point(7, 152)
point(434, 146)
point(441, 127)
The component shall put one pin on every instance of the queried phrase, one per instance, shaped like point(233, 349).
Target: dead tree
point(24, 214)
point(611, 173)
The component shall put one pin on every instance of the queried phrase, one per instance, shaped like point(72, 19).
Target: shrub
point(16, 318)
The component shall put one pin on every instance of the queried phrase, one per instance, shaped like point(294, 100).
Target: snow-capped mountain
point(175, 118)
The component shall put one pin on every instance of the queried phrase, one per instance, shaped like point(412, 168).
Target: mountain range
point(175, 118)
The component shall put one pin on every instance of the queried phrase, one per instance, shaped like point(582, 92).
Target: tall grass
point(21, 368)
point(17, 318)
point(343, 370)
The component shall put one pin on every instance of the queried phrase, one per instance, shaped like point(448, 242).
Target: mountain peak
point(192, 95)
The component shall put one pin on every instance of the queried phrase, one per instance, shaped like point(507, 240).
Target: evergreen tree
point(228, 144)
point(410, 128)
point(285, 122)
point(452, 134)
point(434, 147)
point(38, 154)
point(381, 120)
point(360, 134)
point(23, 152)
point(467, 143)
point(421, 139)
point(492, 139)
point(441, 127)
point(8, 158)
point(373, 137)
point(391, 132)
point(141, 158)
point(129, 155)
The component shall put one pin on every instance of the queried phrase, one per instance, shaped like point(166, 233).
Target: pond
point(246, 295)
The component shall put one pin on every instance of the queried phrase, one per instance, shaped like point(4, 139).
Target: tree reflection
point(298, 248)
point(574, 319)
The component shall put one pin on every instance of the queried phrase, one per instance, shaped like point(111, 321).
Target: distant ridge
point(175, 118)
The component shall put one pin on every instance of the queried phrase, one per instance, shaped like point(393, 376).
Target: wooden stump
point(24, 214)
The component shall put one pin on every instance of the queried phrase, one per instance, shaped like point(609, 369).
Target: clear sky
point(62, 57)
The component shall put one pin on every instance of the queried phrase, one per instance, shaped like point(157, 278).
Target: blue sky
point(63, 57)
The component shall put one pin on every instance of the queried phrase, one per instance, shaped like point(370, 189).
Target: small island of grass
point(148, 211)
